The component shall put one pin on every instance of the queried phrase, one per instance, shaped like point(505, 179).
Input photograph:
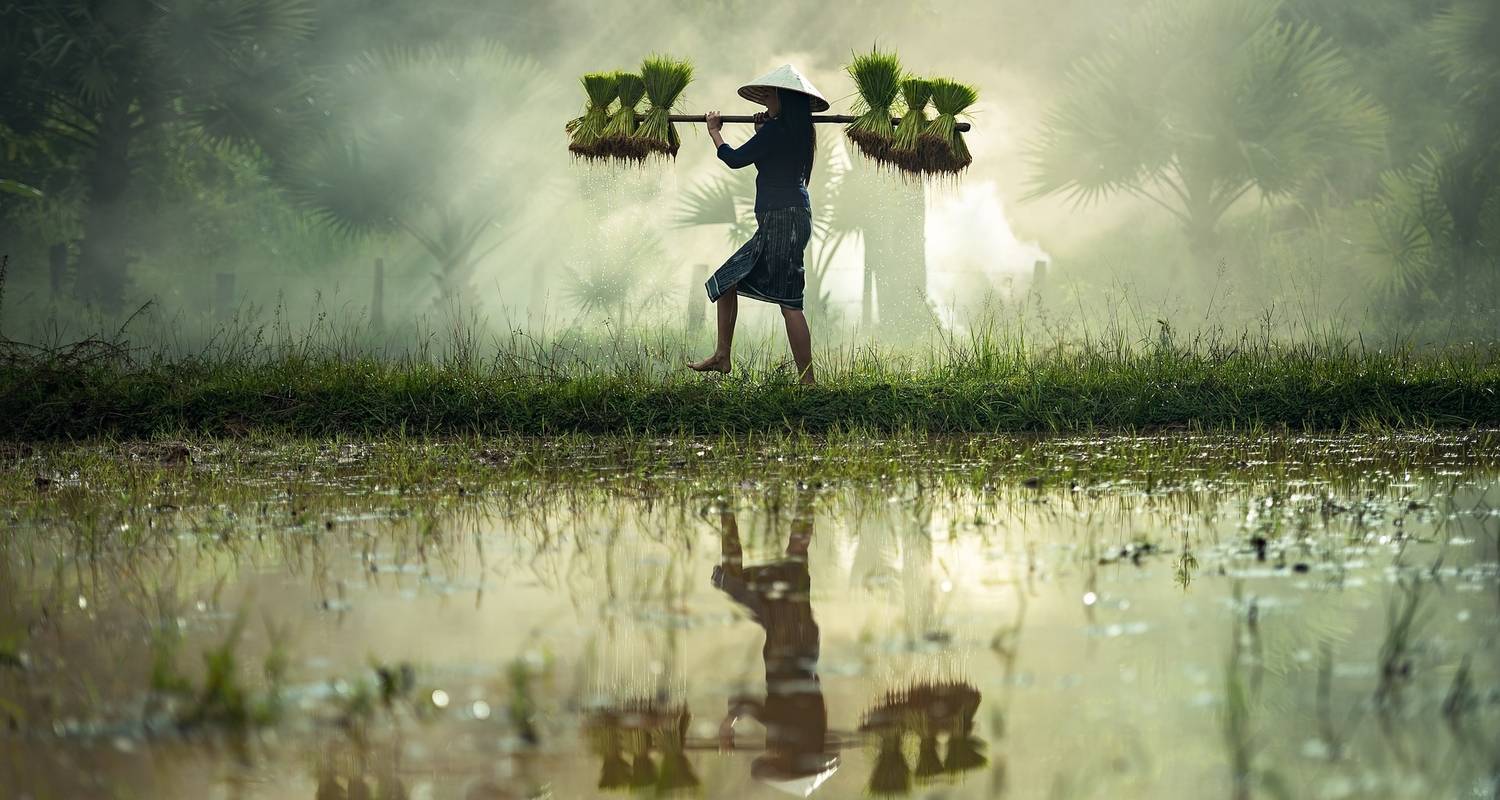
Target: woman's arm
point(744, 155)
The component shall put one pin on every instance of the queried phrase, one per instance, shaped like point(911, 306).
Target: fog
point(242, 170)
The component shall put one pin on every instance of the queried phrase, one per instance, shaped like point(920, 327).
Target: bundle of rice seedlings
point(929, 765)
point(965, 754)
point(665, 81)
point(877, 77)
point(584, 131)
point(676, 771)
point(642, 770)
point(891, 776)
point(911, 134)
point(614, 772)
point(618, 139)
point(950, 98)
point(965, 749)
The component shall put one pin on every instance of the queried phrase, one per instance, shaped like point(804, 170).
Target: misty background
point(385, 167)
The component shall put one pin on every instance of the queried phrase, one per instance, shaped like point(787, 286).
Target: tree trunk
point(896, 252)
point(101, 250)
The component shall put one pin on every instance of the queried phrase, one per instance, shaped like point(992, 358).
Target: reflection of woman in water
point(778, 597)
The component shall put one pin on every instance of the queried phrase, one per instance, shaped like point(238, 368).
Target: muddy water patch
point(1175, 616)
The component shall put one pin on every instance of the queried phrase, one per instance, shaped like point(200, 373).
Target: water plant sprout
point(613, 126)
point(584, 132)
point(950, 98)
point(877, 78)
point(665, 80)
point(911, 138)
point(619, 139)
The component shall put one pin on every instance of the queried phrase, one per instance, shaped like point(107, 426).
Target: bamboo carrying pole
point(824, 119)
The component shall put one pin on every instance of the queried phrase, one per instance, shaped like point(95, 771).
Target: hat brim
point(760, 94)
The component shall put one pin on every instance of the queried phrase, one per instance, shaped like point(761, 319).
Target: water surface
point(1176, 616)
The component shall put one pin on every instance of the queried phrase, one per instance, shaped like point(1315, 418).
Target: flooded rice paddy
point(1177, 616)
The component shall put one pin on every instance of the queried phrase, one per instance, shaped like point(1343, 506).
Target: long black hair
point(796, 115)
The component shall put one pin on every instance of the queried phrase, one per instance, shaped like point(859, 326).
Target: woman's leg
point(727, 309)
point(800, 338)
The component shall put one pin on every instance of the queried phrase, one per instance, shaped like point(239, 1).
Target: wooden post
point(867, 298)
point(377, 298)
point(57, 266)
point(1038, 276)
point(223, 294)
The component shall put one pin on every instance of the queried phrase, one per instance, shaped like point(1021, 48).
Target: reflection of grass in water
point(223, 699)
point(1396, 651)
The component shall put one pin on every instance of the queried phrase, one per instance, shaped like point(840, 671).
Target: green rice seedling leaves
point(665, 80)
point(950, 98)
point(618, 139)
point(912, 133)
point(584, 132)
point(877, 77)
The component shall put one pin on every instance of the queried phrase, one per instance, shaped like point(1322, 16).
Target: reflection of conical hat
point(787, 77)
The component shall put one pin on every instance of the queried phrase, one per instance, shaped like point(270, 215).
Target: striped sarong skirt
point(769, 266)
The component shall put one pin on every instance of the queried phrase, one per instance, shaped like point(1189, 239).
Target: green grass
point(975, 386)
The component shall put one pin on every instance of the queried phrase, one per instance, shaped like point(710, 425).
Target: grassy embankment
point(966, 386)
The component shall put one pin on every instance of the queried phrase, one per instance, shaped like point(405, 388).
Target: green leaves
point(666, 79)
point(877, 77)
point(1194, 103)
point(347, 191)
point(601, 89)
point(950, 98)
point(14, 187)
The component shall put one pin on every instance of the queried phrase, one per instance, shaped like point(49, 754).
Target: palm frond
point(1220, 95)
point(713, 202)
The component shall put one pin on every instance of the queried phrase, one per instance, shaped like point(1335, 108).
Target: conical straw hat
point(787, 77)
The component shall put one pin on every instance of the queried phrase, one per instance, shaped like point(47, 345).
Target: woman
point(769, 266)
point(778, 597)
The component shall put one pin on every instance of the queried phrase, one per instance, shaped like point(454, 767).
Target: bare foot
point(714, 363)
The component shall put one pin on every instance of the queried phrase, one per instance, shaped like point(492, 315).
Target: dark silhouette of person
point(778, 597)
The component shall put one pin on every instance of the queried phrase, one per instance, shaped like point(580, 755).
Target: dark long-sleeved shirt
point(778, 167)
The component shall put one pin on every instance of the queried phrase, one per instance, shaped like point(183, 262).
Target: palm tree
point(95, 83)
point(1193, 104)
point(1431, 220)
point(610, 283)
point(426, 145)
